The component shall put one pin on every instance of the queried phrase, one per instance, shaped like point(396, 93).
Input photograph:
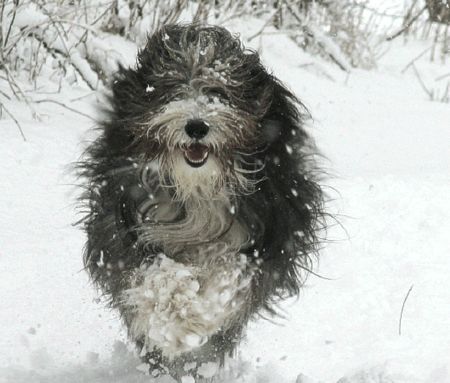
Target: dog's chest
point(198, 232)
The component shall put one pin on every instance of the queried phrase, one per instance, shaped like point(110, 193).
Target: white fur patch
point(177, 307)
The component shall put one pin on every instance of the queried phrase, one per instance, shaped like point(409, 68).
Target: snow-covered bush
point(341, 31)
point(76, 39)
point(83, 40)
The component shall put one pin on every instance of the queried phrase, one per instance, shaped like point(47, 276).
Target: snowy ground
point(387, 146)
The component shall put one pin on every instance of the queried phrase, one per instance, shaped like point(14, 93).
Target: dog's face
point(198, 101)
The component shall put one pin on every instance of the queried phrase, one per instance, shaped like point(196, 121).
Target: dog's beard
point(206, 182)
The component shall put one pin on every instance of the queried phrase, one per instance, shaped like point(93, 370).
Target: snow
point(389, 164)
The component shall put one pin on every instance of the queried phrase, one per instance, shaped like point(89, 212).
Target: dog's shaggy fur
point(202, 197)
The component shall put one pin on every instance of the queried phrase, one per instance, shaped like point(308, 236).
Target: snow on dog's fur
point(178, 307)
point(202, 198)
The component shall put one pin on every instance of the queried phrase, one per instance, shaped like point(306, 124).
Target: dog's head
point(201, 105)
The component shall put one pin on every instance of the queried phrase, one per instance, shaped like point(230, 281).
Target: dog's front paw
point(176, 308)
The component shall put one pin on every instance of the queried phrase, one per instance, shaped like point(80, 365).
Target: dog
point(202, 195)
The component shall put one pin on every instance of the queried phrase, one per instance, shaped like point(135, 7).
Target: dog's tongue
point(196, 152)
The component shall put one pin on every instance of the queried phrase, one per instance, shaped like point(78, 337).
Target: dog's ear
point(286, 209)
point(129, 96)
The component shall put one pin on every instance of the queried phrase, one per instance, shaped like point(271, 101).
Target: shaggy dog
point(203, 204)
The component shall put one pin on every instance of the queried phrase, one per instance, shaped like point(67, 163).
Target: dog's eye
point(217, 94)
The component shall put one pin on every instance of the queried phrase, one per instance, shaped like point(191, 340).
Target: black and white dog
point(203, 203)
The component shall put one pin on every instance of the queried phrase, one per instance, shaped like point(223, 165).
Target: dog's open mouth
point(196, 154)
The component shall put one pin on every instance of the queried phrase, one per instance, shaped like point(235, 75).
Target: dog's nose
point(196, 129)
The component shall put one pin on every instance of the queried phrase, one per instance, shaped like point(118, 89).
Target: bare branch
point(407, 25)
point(16, 4)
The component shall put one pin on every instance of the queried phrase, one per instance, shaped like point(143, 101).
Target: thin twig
point(427, 91)
point(401, 312)
point(14, 119)
point(268, 21)
point(446, 93)
point(407, 25)
point(67, 107)
point(17, 89)
point(415, 59)
point(16, 4)
point(101, 15)
point(5, 95)
point(442, 77)
point(74, 23)
point(2, 10)
point(81, 97)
